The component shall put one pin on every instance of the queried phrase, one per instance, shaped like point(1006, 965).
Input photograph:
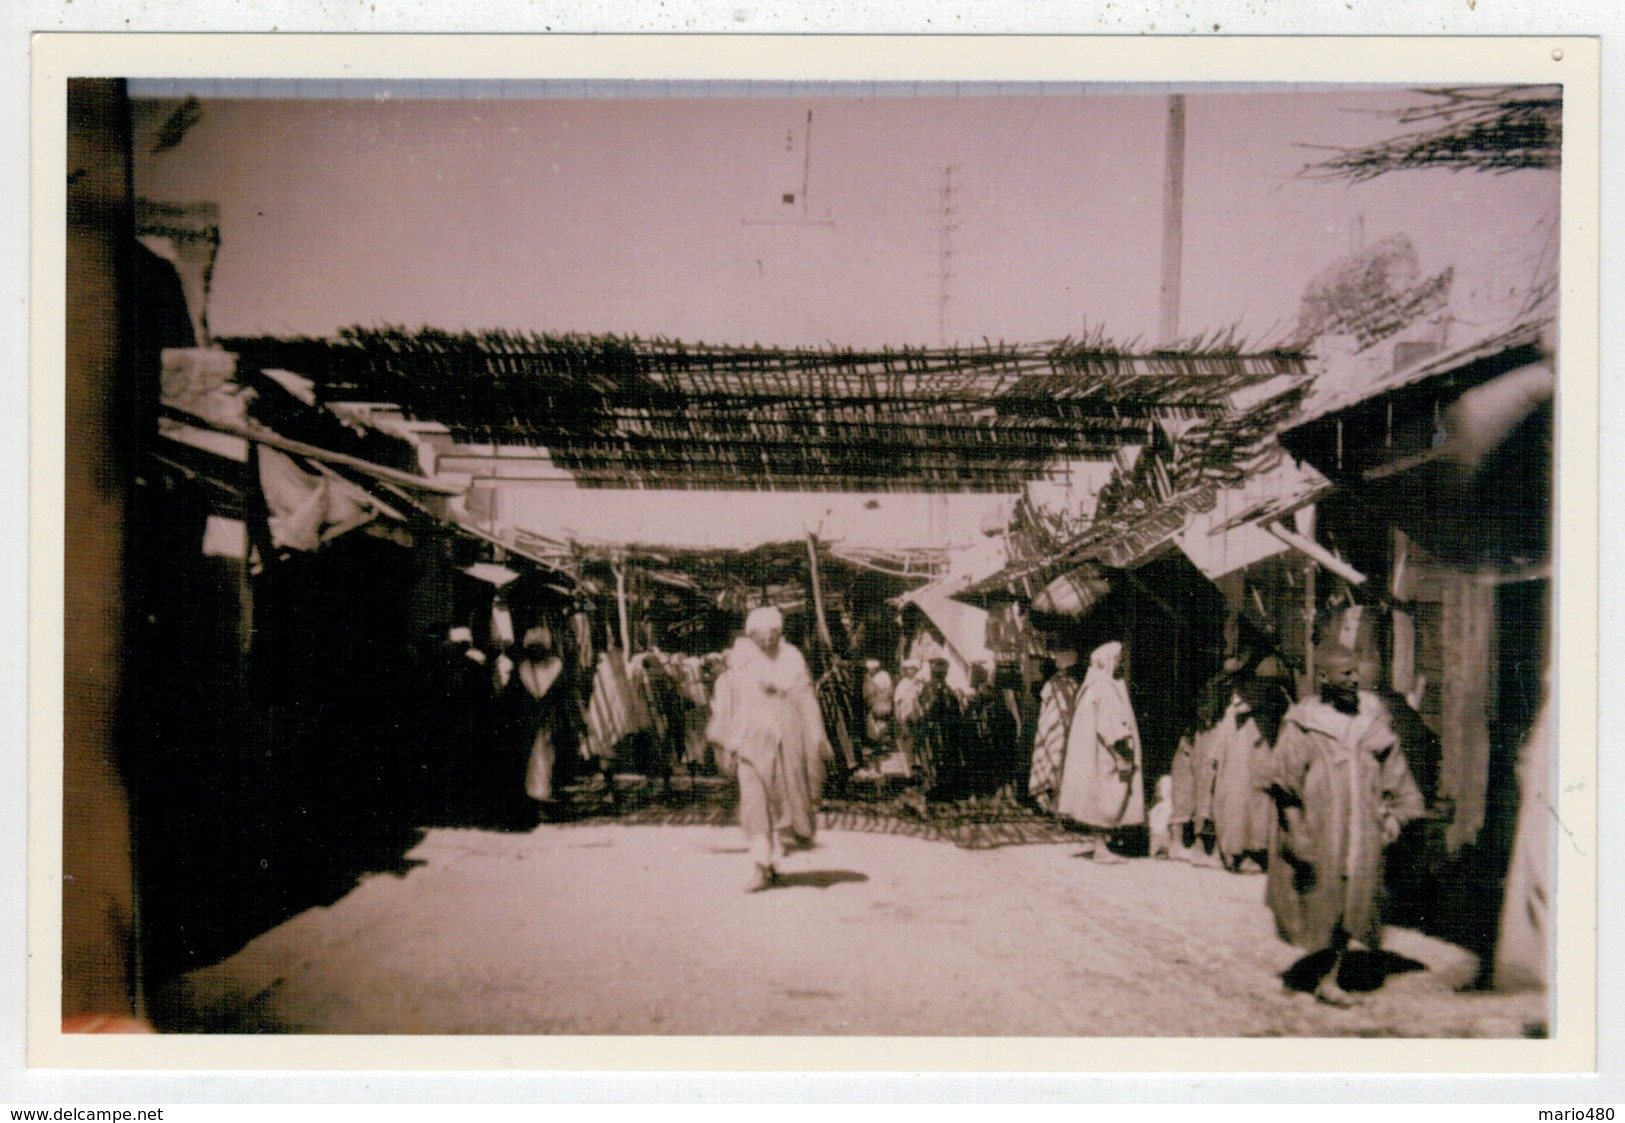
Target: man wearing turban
point(765, 715)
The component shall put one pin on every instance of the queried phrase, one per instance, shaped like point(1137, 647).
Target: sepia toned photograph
point(715, 558)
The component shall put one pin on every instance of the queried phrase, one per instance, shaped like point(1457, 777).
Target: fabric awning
point(1230, 535)
point(963, 626)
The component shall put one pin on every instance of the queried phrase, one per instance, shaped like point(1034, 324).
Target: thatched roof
point(1463, 128)
point(1519, 343)
point(1142, 511)
point(624, 412)
point(729, 579)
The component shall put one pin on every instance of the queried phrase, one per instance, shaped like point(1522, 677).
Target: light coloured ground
point(609, 928)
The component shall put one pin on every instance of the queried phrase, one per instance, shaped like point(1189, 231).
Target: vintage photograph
point(843, 559)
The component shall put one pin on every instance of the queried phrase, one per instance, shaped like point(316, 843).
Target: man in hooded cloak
point(1102, 776)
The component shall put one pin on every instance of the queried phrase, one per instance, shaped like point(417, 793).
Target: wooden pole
point(1316, 552)
point(818, 594)
point(312, 452)
point(806, 162)
point(100, 967)
point(843, 736)
point(1173, 219)
point(620, 609)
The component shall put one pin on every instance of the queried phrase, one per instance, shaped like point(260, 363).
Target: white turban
point(762, 620)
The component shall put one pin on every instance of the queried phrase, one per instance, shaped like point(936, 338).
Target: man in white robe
point(765, 715)
point(1102, 777)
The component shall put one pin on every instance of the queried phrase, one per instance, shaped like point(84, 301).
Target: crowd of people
point(1311, 792)
point(939, 742)
point(552, 710)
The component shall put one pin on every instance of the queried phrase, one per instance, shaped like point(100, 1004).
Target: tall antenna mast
point(945, 251)
point(795, 203)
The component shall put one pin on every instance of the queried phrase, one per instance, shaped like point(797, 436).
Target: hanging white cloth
point(308, 509)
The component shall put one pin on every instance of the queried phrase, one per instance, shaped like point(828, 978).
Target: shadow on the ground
point(1361, 971)
point(183, 1006)
point(230, 850)
point(1365, 971)
point(818, 879)
point(280, 840)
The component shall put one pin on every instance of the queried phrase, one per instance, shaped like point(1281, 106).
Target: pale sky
point(666, 217)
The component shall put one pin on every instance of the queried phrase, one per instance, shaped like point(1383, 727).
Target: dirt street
point(611, 928)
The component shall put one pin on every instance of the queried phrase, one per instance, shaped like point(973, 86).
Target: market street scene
point(1059, 560)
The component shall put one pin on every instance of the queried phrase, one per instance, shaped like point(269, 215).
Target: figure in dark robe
point(1243, 811)
point(990, 730)
point(938, 749)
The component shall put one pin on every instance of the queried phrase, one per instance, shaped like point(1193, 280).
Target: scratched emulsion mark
point(1578, 785)
point(1562, 826)
point(795, 993)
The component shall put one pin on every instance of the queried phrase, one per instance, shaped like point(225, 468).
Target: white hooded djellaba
point(1101, 780)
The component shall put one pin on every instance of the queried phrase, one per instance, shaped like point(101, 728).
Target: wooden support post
point(843, 735)
point(1317, 553)
point(1173, 212)
point(818, 595)
point(619, 567)
point(1469, 645)
point(100, 966)
point(1308, 629)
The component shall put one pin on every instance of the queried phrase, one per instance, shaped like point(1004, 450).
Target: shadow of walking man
point(817, 879)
